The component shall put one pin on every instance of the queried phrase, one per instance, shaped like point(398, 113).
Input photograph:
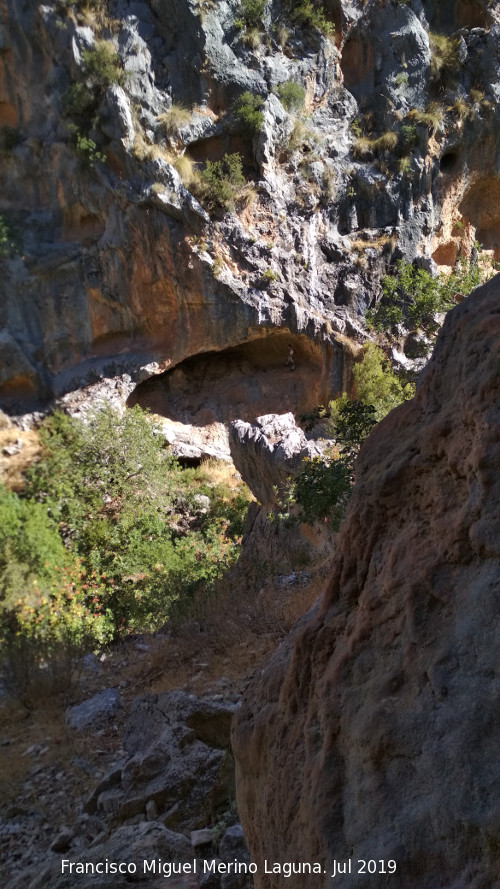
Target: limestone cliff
point(373, 733)
point(110, 264)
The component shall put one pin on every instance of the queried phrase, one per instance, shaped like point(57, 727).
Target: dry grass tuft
point(365, 148)
point(432, 117)
point(12, 468)
point(444, 58)
point(187, 170)
point(173, 120)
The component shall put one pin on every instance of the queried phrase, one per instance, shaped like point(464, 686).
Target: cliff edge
point(371, 735)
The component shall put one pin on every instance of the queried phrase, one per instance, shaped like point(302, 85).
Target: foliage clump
point(445, 61)
point(250, 14)
point(248, 113)
point(291, 95)
point(105, 538)
point(102, 66)
point(100, 69)
point(221, 181)
point(365, 148)
point(431, 118)
point(412, 297)
point(376, 384)
point(309, 14)
point(323, 487)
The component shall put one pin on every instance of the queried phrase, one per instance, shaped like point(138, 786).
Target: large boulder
point(373, 733)
point(269, 452)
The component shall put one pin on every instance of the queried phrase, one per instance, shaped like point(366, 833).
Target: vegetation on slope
point(108, 534)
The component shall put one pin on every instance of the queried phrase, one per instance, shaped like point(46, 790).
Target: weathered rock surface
point(115, 265)
point(172, 785)
point(102, 706)
point(177, 756)
point(128, 845)
point(373, 732)
point(269, 452)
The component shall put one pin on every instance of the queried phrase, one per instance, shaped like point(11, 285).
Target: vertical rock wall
point(373, 732)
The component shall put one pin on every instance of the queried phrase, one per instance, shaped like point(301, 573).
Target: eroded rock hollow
point(372, 733)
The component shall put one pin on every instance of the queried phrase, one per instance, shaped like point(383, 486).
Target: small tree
point(221, 181)
point(247, 111)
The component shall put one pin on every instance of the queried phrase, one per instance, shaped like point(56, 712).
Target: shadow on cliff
point(242, 382)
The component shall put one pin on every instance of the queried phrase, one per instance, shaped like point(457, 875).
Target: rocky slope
point(372, 733)
point(110, 266)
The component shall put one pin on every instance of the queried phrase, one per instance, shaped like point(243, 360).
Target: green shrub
point(102, 65)
point(323, 487)
point(291, 95)
point(250, 14)
point(80, 102)
point(267, 277)
point(87, 149)
point(221, 181)
point(135, 541)
point(408, 138)
point(322, 490)
point(411, 296)
point(401, 79)
point(117, 495)
point(45, 618)
point(248, 114)
point(376, 385)
point(309, 14)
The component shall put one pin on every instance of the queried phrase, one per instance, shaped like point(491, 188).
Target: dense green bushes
point(309, 14)
point(107, 535)
point(291, 95)
point(411, 296)
point(250, 14)
point(220, 182)
point(100, 69)
point(248, 114)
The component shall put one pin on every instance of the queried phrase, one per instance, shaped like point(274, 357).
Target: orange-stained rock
point(373, 732)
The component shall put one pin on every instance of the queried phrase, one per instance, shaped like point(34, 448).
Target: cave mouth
point(449, 162)
point(238, 383)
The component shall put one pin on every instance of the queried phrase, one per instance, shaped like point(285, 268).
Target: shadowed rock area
point(245, 381)
point(373, 732)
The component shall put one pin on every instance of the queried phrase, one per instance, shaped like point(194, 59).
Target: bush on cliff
point(412, 297)
point(309, 14)
point(220, 182)
point(248, 114)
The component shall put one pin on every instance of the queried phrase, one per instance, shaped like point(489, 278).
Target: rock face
point(373, 732)
point(111, 264)
point(269, 453)
point(176, 756)
point(168, 800)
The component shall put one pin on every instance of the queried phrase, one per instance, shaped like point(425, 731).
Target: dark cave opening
point(241, 382)
point(449, 162)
